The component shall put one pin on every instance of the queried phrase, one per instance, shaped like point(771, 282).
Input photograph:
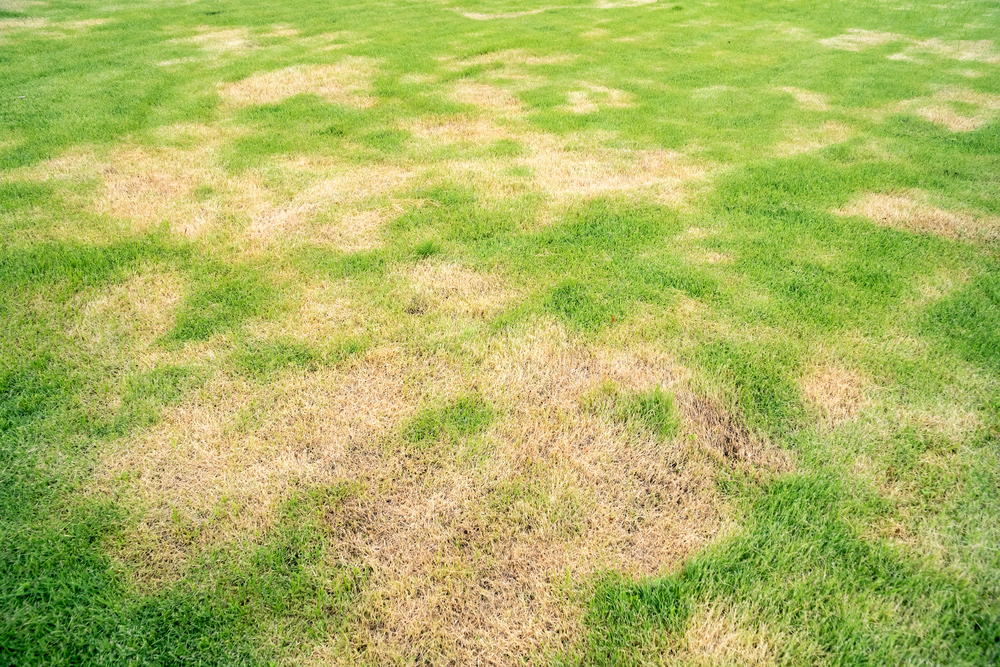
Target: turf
point(480, 332)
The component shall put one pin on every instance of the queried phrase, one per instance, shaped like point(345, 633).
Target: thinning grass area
point(499, 332)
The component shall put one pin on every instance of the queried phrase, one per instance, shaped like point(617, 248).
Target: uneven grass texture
point(482, 332)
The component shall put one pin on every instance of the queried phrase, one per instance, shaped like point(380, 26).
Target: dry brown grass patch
point(467, 558)
point(216, 467)
point(982, 50)
point(460, 129)
point(482, 16)
point(11, 25)
point(909, 210)
point(569, 175)
point(837, 393)
point(336, 186)
point(154, 185)
point(807, 99)
point(215, 42)
point(487, 97)
point(593, 98)
point(805, 139)
point(618, 4)
point(131, 315)
point(21, 5)
point(714, 638)
point(512, 58)
point(347, 82)
point(455, 289)
point(857, 39)
point(941, 108)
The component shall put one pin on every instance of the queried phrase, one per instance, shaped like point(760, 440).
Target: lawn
point(482, 332)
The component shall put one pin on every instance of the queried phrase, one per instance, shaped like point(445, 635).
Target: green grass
point(877, 546)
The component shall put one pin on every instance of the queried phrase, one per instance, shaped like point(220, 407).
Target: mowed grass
point(481, 332)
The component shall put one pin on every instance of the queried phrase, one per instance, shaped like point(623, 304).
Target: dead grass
point(807, 99)
point(131, 315)
point(838, 394)
point(714, 638)
point(10, 25)
point(467, 554)
point(459, 129)
point(941, 108)
point(510, 58)
point(152, 186)
point(909, 210)
point(452, 288)
point(593, 98)
point(805, 139)
point(618, 4)
point(982, 51)
point(482, 16)
point(215, 42)
point(217, 467)
point(347, 82)
point(489, 98)
point(355, 231)
point(857, 39)
point(337, 187)
point(21, 5)
point(569, 171)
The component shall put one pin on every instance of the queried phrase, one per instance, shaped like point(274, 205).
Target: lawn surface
point(481, 332)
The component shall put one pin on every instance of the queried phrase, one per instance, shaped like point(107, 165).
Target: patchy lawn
point(499, 332)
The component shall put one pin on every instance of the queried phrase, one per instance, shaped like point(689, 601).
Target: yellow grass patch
point(455, 289)
point(282, 31)
point(347, 82)
point(132, 314)
point(487, 97)
point(938, 109)
point(215, 42)
point(807, 99)
point(418, 79)
point(837, 393)
point(217, 466)
point(338, 186)
point(857, 39)
point(593, 98)
point(714, 638)
point(567, 174)
point(459, 129)
point(466, 559)
point(805, 139)
point(10, 25)
point(21, 5)
point(963, 50)
point(617, 4)
point(355, 231)
point(511, 58)
point(982, 50)
point(482, 16)
point(150, 186)
point(709, 257)
point(910, 210)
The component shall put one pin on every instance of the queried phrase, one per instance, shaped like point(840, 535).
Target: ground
point(481, 332)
